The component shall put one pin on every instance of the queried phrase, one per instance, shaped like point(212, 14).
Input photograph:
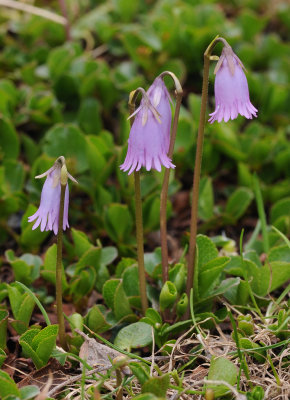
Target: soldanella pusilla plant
point(151, 147)
point(130, 277)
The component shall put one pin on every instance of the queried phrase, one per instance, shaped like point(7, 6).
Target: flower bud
point(167, 296)
point(182, 305)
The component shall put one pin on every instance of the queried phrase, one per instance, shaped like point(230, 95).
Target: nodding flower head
point(160, 99)
point(48, 212)
point(149, 137)
point(231, 89)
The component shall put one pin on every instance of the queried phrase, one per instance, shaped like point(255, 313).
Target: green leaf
point(26, 268)
point(109, 290)
point(82, 283)
point(22, 306)
point(59, 60)
point(123, 264)
point(29, 392)
point(131, 281)
point(108, 255)
point(121, 303)
point(238, 202)
point(14, 175)
point(92, 258)
point(157, 385)
point(3, 328)
point(81, 242)
point(39, 344)
point(135, 335)
point(177, 276)
point(96, 321)
point(49, 266)
point(44, 342)
point(206, 199)
point(280, 209)
point(208, 277)
point(226, 141)
point(100, 158)
point(29, 352)
point(147, 396)
point(7, 386)
point(9, 142)
point(206, 250)
point(126, 9)
point(66, 88)
point(222, 288)
point(3, 357)
point(118, 222)
point(153, 316)
point(238, 294)
point(278, 274)
point(221, 369)
point(151, 211)
point(68, 141)
point(89, 116)
point(141, 371)
point(31, 238)
point(251, 24)
point(279, 253)
point(151, 260)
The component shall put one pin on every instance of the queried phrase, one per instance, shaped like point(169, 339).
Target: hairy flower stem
point(140, 245)
point(197, 167)
point(58, 283)
point(164, 190)
point(119, 388)
point(138, 215)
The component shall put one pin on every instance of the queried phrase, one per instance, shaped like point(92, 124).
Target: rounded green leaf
point(7, 386)
point(135, 335)
point(222, 369)
point(118, 222)
point(9, 141)
point(68, 141)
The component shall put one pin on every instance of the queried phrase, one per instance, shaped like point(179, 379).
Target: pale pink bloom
point(231, 89)
point(48, 212)
point(160, 100)
point(149, 137)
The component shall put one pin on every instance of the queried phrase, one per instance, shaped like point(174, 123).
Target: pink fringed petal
point(148, 143)
point(231, 93)
point(47, 214)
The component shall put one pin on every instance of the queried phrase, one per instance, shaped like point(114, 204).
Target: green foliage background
point(69, 98)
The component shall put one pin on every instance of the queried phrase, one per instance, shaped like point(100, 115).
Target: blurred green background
point(69, 97)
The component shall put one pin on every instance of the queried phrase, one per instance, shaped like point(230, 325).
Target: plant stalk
point(64, 12)
point(140, 240)
point(58, 283)
point(198, 160)
point(164, 190)
point(139, 218)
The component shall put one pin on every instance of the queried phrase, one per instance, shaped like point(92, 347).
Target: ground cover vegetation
point(207, 315)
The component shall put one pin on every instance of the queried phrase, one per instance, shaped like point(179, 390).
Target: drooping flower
point(149, 137)
point(231, 89)
point(48, 212)
point(160, 99)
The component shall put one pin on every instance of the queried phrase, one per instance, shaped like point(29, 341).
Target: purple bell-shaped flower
point(149, 137)
point(231, 89)
point(48, 212)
